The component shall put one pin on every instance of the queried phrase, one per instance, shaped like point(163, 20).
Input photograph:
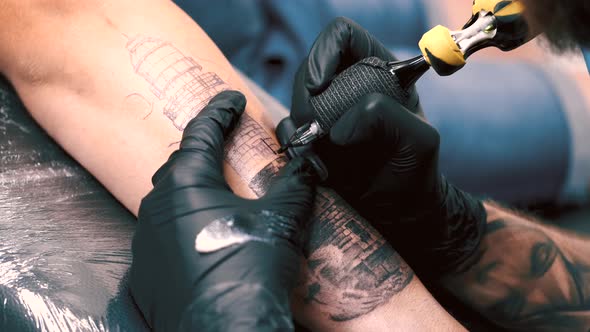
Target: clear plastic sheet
point(64, 241)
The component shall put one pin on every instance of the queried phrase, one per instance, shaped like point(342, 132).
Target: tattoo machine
point(493, 23)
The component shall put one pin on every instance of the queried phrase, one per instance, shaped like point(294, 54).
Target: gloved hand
point(205, 259)
point(341, 44)
point(383, 159)
point(392, 154)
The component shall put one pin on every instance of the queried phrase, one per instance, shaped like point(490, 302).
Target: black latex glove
point(383, 159)
point(341, 44)
point(243, 286)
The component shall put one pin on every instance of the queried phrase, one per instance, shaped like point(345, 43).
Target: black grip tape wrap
point(367, 76)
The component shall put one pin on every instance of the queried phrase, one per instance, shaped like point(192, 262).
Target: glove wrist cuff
point(450, 233)
point(464, 218)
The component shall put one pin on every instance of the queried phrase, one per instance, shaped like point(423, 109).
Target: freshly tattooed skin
point(528, 277)
point(350, 269)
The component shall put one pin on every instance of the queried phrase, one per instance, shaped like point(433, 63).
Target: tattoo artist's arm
point(114, 82)
point(527, 276)
point(517, 272)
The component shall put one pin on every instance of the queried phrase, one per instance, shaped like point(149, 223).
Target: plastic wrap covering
point(64, 241)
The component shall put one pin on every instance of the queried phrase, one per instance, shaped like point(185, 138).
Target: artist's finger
point(381, 123)
point(199, 160)
point(340, 45)
point(368, 122)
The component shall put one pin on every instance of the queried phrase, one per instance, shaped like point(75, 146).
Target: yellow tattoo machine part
point(493, 23)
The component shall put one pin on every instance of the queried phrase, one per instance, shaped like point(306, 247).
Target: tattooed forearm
point(526, 279)
point(350, 269)
point(250, 151)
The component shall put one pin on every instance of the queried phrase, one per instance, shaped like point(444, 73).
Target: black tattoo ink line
point(351, 268)
point(248, 146)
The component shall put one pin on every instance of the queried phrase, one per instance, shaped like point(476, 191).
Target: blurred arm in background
point(527, 276)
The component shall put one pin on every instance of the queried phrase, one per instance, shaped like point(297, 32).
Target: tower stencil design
point(174, 77)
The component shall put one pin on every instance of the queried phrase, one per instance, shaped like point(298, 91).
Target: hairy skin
point(527, 276)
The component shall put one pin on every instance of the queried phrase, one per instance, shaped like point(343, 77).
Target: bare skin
point(114, 82)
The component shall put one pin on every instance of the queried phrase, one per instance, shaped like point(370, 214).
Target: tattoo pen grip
point(370, 75)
